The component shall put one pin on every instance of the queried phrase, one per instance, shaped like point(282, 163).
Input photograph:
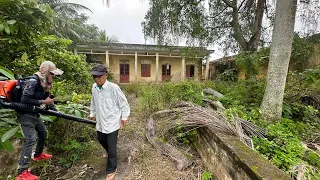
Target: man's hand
point(91, 118)
point(123, 123)
point(48, 101)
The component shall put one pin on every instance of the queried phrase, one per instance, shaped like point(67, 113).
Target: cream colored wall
point(114, 68)
point(175, 68)
point(176, 64)
point(153, 69)
point(196, 69)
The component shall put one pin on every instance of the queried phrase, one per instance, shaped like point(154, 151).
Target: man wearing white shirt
point(110, 108)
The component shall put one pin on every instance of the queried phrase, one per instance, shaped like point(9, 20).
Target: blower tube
point(36, 109)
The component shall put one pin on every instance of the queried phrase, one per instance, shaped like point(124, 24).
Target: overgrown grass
point(242, 98)
point(301, 121)
point(154, 97)
point(71, 140)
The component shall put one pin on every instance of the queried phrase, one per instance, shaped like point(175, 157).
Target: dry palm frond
point(303, 171)
point(184, 114)
point(194, 115)
point(250, 129)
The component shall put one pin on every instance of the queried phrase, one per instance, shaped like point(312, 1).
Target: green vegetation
point(283, 144)
point(302, 50)
point(251, 62)
point(207, 176)
point(27, 40)
point(154, 97)
point(312, 158)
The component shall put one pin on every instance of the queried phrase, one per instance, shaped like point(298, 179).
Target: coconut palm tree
point(66, 12)
point(104, 38)
point(70, 23)
point(65, 7)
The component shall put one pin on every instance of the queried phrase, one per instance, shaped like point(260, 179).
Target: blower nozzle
point(36, 109)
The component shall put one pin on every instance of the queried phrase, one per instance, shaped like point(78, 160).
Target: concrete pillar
point(75, 52)
point(183, 68)
point(207, 68)
point(157, 67)
point(107, 59)
point(136, 66)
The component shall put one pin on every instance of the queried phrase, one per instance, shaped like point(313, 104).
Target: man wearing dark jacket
point(36, 93)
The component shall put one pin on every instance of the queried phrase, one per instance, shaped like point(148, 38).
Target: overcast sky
point(123, 19)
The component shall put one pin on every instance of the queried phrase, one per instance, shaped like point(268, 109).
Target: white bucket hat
point(48, 66)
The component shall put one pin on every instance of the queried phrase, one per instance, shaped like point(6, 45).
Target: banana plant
point(9, 127)
point(76, 109)
point(6, 74)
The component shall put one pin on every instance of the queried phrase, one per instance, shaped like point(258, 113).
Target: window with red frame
point(145, 70)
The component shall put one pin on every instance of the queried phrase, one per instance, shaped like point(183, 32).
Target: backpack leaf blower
point(10, 89)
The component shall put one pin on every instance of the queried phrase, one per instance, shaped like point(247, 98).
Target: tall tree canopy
point(235, 25)
point(21, 24)
point(25, 43)
point(308, 12)
point(71, 22)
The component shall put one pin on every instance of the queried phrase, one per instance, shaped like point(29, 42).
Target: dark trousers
point(109, 143)
point(31, 124)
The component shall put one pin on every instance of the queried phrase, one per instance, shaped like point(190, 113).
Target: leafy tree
point(23, 27)
point(301, 51)
point(21, 23)
point(271, 107)
point(63, 7)
point(89, 32)
point(233, 24)
point(308, 13)
point(314, 39)
point(70, 23)
point(65, 15)
point(104, 38)
point(56, 50)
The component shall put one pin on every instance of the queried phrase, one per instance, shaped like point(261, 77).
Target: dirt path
point(137, 159)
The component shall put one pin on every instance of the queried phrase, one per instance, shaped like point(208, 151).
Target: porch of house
point(143, 63)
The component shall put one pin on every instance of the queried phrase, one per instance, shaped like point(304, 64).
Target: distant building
point(146, 63)
point(219, 66)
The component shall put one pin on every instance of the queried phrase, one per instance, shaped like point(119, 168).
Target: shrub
point(281, 146)
point(312, 158)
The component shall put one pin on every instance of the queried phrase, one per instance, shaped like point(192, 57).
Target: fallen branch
point(184, 114)
point(167, 149)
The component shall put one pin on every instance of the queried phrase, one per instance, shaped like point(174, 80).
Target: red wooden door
point(189, 71)
point(166, 71)
point(124, 73)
